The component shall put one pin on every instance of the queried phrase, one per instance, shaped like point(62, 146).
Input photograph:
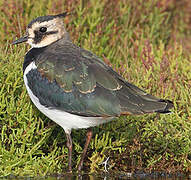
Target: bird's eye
point(43, 29)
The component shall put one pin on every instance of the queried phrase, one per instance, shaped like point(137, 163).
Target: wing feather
point(76, 81)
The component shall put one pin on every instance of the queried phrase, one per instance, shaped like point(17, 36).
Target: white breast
point(66, 120)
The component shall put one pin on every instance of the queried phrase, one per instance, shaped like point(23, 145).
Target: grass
point(148, 43)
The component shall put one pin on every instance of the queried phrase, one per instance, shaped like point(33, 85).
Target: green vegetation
point(147, 42)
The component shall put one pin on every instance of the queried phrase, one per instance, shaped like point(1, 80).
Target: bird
point(74, 87)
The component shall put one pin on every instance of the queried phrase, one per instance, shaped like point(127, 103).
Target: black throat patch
point(32, 56)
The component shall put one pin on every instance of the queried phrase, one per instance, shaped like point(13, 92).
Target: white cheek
point(30, 42)
point(44, 42)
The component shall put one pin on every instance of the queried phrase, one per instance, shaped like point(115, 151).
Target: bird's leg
point(88, 138)
point(69, 145)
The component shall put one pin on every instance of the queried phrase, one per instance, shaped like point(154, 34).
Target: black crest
point(47, 18)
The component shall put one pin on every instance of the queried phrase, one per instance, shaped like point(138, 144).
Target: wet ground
point(108, 176)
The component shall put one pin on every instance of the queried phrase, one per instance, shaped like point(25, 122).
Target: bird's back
point(76, 81)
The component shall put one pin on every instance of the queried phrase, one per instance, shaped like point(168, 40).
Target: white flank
point(66, 120)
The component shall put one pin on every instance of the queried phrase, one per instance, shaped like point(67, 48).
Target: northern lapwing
point(75, 88)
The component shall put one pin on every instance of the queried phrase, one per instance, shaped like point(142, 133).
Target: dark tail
point(135, 101)
point(169, 105)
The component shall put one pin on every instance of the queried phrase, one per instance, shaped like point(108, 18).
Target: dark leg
point(88, 138)
point(69, 145)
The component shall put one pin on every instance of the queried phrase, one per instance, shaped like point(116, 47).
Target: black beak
point(20, 40)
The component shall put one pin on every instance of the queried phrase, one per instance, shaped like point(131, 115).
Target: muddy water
point(107, 176)
point(121, 176)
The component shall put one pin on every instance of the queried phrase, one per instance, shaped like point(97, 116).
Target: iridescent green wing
point(75, 81)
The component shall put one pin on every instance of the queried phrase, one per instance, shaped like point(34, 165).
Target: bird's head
point(44, 30)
